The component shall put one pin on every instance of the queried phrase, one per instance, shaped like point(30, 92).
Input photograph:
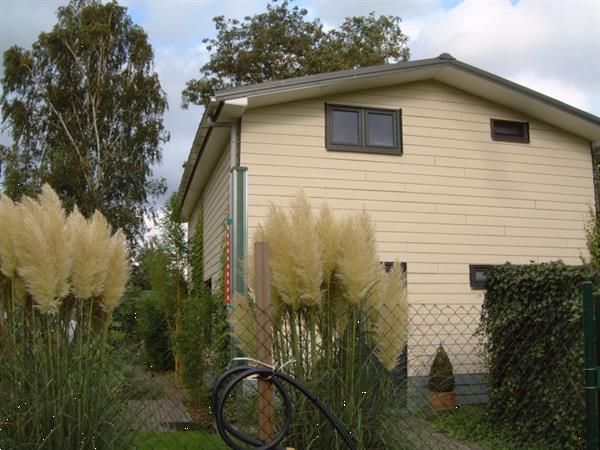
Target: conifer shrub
point(441, 374)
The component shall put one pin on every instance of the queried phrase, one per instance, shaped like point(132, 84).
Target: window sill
point(366, 150)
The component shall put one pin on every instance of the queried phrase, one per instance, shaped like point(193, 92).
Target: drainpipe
point(595, 149)
point(238, 219)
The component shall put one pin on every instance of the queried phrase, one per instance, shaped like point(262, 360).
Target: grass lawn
point(182, 439)
point(468, 423)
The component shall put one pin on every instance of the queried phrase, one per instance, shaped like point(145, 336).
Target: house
point(459, 168)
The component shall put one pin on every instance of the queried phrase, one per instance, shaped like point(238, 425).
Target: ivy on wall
point(532, 325)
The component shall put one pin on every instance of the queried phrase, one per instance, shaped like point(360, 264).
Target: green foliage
point(154, 331)
point(196, 259)
point(57, 384)
point(84, 108)
point(156, 264)
point(192, 345)
point(125, 315)
point(470, 423)
point(201, 342)
point(592, 231)
point(282, 43)
point(532, 325)
point(172, 239)
point(181, 439)
point(441, 375)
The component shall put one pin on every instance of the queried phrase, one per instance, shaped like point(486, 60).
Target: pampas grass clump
point(334, 311)
point(60, 278)
point(60, 259)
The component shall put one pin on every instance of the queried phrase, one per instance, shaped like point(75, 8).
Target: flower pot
point(441, 401)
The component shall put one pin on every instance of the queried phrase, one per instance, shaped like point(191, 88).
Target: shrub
point(532, 325)
point(202, 341)
point(194, 343)
point(154, 332)
point(592, 231)
point(441, 375)
point(125, 316)
point(60, 279)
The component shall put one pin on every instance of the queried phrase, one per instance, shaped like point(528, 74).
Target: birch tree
point(84, 108)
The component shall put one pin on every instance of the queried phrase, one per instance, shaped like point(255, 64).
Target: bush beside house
point(532, 325)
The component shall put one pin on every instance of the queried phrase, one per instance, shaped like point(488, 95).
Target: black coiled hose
point(227, 382)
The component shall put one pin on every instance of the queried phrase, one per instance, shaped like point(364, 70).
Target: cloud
point(550, 46)
point(554, 87)
point(333, 12)
point(22, 21)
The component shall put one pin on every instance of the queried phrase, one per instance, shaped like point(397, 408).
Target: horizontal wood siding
point(454, 198)
point(213, 209)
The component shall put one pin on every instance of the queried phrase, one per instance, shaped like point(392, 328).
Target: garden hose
point(232, 377)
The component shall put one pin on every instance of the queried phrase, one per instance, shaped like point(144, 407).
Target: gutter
point(202, 146)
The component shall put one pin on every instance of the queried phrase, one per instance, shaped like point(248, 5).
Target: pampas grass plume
point(391, 327)
point(357, 262)
point(9, 224)
point(329, 235)
point(283, 273)
point(43, 249)
point(117, 272)
point(90, 247)
point(305, 244)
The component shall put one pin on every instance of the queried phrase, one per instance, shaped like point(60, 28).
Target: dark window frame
point(387, 265)
point(473, 281)
point(523, 139)
point(395, 149)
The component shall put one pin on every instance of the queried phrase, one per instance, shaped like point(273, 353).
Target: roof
point(231, 103)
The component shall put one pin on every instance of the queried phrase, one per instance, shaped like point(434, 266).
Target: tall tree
point(283, 43)
point(84, 108)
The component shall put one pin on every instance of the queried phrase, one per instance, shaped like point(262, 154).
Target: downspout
point(594, 149)
point(238, 219)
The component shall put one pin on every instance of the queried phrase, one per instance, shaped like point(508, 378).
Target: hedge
point(532, 329)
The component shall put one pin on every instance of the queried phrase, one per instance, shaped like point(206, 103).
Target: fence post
point(590, 323)
point(263, 337)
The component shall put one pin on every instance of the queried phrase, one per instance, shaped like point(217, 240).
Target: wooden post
point(263, 338)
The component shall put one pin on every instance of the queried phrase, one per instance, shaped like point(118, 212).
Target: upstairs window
point(510, 131)
point(348, 128)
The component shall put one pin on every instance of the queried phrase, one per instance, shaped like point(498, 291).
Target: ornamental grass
point(336, 312)
point(61, 276)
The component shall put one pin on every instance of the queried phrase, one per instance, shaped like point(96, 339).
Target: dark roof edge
point(443, 60)
point(527, 91)
point(313, 80)
point(185, 184)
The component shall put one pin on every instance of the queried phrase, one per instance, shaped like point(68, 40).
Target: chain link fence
point(438, 393)
point(426, 376)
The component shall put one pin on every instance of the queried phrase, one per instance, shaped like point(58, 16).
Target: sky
point(550, 46)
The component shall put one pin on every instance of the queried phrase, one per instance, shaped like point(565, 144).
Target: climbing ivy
point(532, 325)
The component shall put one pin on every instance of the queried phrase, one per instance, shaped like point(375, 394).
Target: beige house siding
point(213, 206)
point(454, 198)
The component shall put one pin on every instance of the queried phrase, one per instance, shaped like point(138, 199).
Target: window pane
point(380, 129)
point(504, 130)
point(344, 127)
point(509, 129)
